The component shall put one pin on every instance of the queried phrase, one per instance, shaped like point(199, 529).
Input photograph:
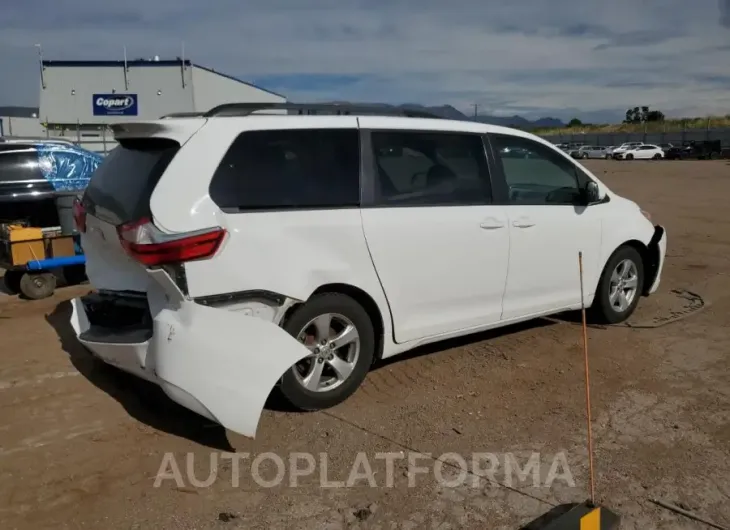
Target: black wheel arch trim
point(652, 259)
point(240, 296)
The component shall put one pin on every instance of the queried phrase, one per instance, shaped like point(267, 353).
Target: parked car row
point(709, 149)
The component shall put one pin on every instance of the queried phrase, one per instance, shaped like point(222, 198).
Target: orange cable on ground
point(588, 386)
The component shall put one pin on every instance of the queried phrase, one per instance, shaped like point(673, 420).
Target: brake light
point(79, 213)
point(144, 242)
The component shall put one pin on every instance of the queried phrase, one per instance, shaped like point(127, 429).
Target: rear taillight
point(147, 244)
point(79, 216)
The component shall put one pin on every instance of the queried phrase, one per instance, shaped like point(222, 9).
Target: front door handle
point(523, 222)
point(491, 224)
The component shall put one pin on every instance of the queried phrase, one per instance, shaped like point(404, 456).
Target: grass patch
point(684, 124)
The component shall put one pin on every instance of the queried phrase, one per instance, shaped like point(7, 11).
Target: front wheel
point(585, 156)
point(629, 157)
point(620, 287)
point(340, 336)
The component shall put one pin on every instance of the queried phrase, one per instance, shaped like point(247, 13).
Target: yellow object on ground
point(24, 233)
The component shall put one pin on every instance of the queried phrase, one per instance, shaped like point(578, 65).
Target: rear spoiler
point(179, 130)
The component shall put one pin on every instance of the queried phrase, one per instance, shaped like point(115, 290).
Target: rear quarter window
point(289, 169)
point(120, 189)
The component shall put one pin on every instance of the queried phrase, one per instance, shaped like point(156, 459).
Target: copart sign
point(115, 105)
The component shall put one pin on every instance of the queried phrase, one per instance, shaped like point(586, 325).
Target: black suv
point(33, 173)
point(705, 149)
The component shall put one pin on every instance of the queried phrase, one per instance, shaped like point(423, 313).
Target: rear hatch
point(121, 236)
point(119, 193)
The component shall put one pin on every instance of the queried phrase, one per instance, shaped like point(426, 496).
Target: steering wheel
point(565, 195)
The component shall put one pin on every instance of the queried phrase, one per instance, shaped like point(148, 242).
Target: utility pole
point(476, 109)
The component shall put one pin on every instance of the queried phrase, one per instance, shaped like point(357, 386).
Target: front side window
point(430, 169)
point(541, 177)
point(289, 169)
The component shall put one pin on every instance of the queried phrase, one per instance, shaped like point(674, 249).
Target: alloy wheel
point(623, 285)
point(334, 343)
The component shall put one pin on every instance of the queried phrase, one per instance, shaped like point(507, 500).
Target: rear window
point(19, 165)
point(289, 169)
point(121, 187)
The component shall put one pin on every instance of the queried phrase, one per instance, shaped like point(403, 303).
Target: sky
point(561, 58)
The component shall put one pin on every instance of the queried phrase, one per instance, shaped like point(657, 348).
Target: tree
point(633, 115)
point(643, 115)
point(655, 115)
point(575, 122)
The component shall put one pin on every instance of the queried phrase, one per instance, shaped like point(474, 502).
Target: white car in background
point(235, 252)
point(642, 152)
point(621, 149)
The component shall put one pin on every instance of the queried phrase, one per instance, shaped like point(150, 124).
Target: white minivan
point(244, 249)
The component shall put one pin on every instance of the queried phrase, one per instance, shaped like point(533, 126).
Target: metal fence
point(675, 138)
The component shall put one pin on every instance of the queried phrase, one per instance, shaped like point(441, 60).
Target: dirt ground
point(81, 444)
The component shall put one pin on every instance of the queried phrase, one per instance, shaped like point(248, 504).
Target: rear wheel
point(37, 285)
point(620, 287)
point(340, 336)
point(657, 156)
point(11, 280)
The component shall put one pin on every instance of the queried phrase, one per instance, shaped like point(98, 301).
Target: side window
point(430, 169)
point(17, 166)
point(535, 173)
point(289, 169)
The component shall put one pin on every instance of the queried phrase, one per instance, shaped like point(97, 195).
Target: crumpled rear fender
point(219, 363)
point(225, 361)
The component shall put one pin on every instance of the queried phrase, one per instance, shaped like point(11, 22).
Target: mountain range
point(449, 112)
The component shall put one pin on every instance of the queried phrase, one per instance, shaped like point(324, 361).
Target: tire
point(585, 156)
point(344, 311)
point(11, 280)
point(657, 156)
point(605, 308)
point(37, 285)
point(629, 157)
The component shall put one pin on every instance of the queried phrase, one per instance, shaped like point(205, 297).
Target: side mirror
point(591, 193)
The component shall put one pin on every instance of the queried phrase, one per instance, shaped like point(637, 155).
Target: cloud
point(539, 58)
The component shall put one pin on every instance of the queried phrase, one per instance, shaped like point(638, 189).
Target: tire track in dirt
point(437, 366)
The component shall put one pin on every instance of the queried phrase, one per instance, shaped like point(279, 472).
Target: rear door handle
point(523, 222)
point(491, 224)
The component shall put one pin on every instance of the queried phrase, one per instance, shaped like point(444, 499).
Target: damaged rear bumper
point(220, 364)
